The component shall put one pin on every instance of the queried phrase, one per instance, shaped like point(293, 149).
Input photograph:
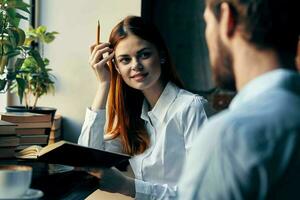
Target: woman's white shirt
point(172, 125)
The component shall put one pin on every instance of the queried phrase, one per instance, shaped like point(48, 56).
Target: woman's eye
point(145, 55)
point(124, 60)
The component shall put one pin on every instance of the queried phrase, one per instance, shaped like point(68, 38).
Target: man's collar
point(260, 85)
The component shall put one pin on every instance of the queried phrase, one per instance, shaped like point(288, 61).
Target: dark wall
point(182, 26)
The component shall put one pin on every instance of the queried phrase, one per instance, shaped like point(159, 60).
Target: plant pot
point(40, 110)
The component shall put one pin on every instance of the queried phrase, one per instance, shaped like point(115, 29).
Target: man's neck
point(249, 62)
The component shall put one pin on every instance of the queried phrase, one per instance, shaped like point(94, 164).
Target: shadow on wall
point(73, 128)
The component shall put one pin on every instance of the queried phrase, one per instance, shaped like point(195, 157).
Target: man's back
point(249, 151)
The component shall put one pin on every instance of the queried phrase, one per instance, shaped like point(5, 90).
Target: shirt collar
point(260, 85)
point(161, 107)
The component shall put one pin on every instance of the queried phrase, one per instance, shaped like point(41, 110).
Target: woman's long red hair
point(124, 102)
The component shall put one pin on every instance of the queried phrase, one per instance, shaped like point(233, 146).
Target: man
point(251, 150)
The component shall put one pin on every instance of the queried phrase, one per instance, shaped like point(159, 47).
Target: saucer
point(30, 194)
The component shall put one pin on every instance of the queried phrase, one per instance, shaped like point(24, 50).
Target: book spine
point(34, 125)
point(23, 119)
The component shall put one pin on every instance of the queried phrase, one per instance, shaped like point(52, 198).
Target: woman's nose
point(136, 65)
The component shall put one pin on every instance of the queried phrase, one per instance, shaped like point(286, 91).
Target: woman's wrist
point(103, 85)
point(101, 96)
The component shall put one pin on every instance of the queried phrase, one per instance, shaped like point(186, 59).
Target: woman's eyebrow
point(143, 49)
point(138, 52)
point(122, 56)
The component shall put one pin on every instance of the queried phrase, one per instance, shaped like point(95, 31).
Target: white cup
point(14, 180)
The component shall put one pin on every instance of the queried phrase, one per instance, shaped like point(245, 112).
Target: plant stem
point(35, 102)
point(26, 100)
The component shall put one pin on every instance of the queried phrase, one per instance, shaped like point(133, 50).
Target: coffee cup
point(15, 180)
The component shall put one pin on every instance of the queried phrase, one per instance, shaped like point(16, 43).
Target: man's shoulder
point(252, 127)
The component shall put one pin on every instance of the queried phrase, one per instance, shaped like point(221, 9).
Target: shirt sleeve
point(153, 191)
point(191, 121)
point(92, 132)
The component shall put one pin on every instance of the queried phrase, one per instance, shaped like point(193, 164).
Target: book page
point(29, 152)
point(51, 147)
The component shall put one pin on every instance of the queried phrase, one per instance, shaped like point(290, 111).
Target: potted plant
point(22, 68)
point(35, 79)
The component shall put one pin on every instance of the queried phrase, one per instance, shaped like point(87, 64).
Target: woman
point(149, 116)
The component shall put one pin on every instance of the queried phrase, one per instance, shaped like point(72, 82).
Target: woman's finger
point(92, 47)
point(107, 58)
point(99, 56)
point(98, 47)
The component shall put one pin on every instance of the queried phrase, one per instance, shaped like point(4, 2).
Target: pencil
point(98, 33)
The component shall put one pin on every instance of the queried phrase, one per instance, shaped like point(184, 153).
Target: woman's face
point(138, 62)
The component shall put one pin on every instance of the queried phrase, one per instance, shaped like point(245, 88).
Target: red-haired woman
point(149, 115)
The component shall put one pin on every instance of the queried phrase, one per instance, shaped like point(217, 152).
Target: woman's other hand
point(112, 180)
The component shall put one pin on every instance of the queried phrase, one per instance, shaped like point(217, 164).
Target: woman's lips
point(139, 77)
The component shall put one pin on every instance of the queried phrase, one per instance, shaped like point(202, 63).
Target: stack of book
point(32, 128)
point(56, 129)
point(8, 139)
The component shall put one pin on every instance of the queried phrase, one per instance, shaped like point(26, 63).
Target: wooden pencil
point(98, 33)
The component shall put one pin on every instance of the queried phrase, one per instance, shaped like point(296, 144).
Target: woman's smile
point(139, 77)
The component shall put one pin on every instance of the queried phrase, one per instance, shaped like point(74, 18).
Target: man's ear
point(227, 21)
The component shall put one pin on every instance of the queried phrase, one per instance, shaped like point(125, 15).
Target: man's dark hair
point(268, 24)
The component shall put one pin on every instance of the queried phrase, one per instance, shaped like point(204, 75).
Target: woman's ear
point(116, 67)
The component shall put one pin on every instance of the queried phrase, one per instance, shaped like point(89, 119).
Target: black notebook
point(67, 153)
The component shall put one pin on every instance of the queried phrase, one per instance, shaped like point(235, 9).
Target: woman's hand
point(112, 180)
point(99, 63)
point(101, 69)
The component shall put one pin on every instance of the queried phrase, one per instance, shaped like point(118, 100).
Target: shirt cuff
point(91, 115)
point(142, 189)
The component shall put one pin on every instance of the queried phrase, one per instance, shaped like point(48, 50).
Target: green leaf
point(13, 20)
point(2, 84)
point(3, 63)
point(11, 75)
point(19, 63)
point(12, 53)
point(21, 16)
point(21, 5)
point(41, 29)
point(21, 88)
point(4, 42)
point(20, 36)
point(36, 55)
point(48, 37)
point(13, 35)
